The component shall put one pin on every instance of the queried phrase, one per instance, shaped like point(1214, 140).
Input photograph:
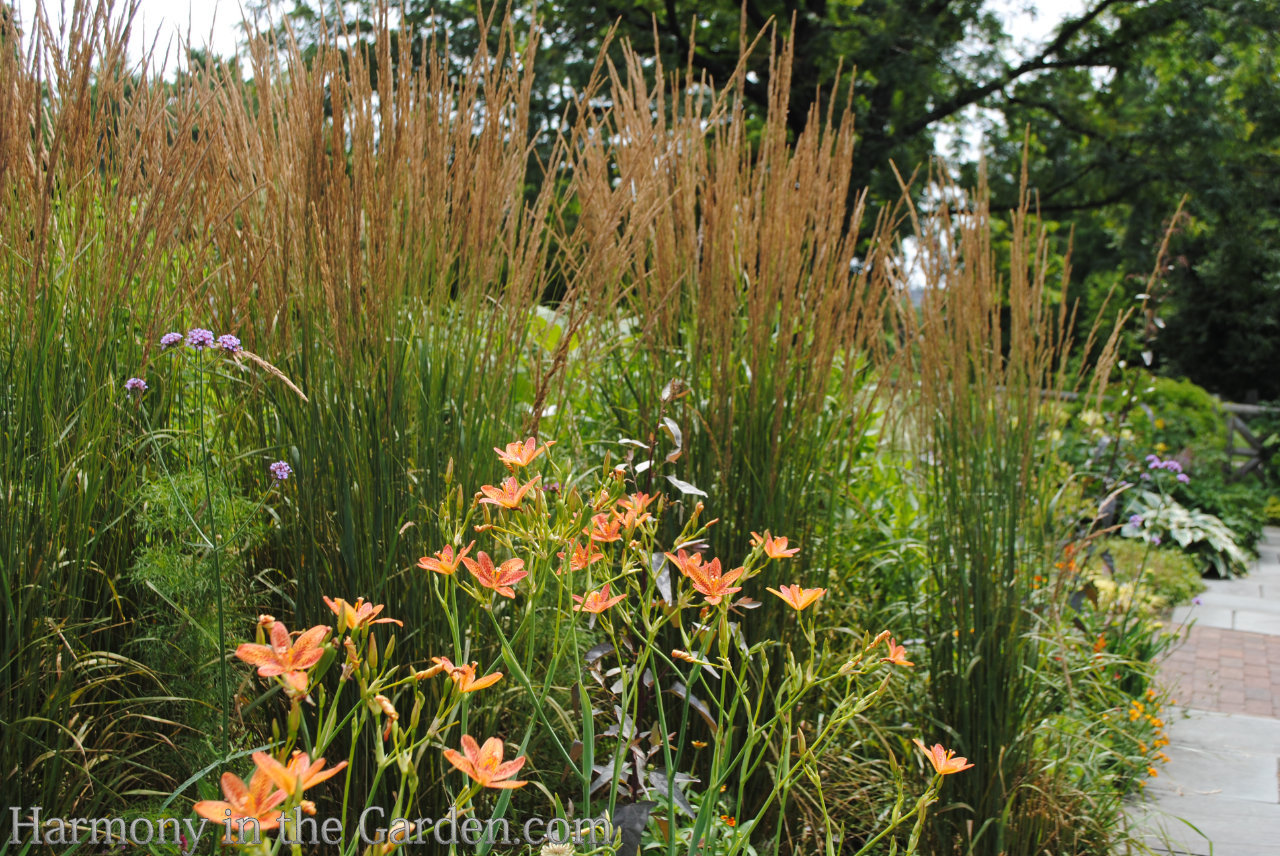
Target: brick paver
point(1227, 671)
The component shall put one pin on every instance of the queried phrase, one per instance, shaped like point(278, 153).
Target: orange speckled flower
point(289, 661)
point(897, 655)
point(943, 760)
point(519, 454)
point(445, 561)
point(582, 556)
point(256, 801)
point(597, 601)
point(299, 774)
point(774, 548)
point(799, 598)
point(500, 578)
point(484, 764)
point(463, 677)
point(510, 495)
point(605, 528)
point(711, 583)
point(352, 616)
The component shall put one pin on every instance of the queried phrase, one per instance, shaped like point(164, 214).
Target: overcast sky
point(213, 23)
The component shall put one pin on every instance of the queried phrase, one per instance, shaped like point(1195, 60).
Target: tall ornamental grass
point(987, 347)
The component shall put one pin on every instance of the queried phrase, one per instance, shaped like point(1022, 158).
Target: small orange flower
point(510, 495)
point(288, 661)
point(582, 556)
point(637, 502)
point(501, 578)
point(605, 528)
point(519, 454)
point(597, 601)
point(799, 598)
point(299, 774)
point(897, 655)
point(729, 820)
point(445, 561)
point(255, 801)
point(713, 585)
point(774, 548)
point(1099, 644)
point(484, 764)
point(943, 760)
point(464, 677)
point(389, 710)
point(352, 616)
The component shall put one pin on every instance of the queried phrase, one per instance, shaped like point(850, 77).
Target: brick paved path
point(1222, 778)
point(1228, 671)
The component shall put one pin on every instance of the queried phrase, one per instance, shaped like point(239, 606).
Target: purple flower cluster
point(1154, 463)
point(200, 338)
point(135, 384)
point(280, 471)
point(168, 340)
point(1135, 521)
point(229, 343)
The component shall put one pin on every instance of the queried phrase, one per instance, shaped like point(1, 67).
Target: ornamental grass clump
point(987, 346)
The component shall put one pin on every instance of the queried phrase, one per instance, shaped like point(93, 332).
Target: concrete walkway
point(1219, 795)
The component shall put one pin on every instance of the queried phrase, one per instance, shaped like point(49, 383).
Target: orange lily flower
point(605, 528)
point(255, 801)
point(637, 502)
point(510, 495)
point(444, 561)
point(519, 454)
point(597, 601)
point(352, 616)
point(299, 774)
point(686, 563)
point(897, 654)
point(501, 578)
point(464, 677)
point(707, 579)
point(280, 658)
point(943, 760)
point(799, 598)
point(583, 556)
point(774, 548)
point(484, 764)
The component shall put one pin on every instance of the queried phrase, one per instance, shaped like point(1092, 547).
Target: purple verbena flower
point(1155, 540)
point(168, 340)
point(1135, 521)
point(135, 384)
point(1184, 478)
point(280, 470)
point(200, 338)
point(1172, 466)
point(1153, 461)
point(1197, 601)
point(228, 343)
